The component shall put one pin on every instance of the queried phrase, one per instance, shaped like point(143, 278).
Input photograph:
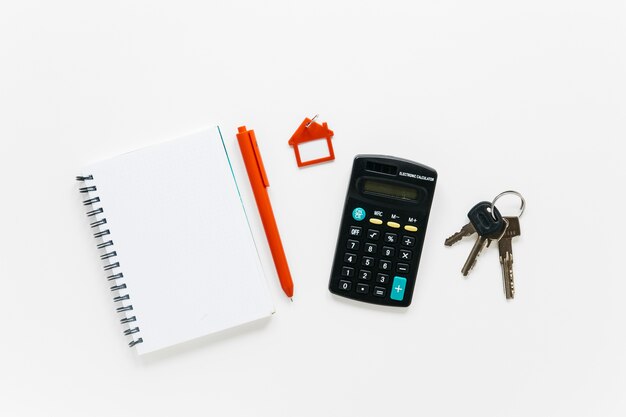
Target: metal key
point(488, 225)
point(506, 255)
point(465, 231)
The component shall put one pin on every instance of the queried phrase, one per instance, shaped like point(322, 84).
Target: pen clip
point(259, 160)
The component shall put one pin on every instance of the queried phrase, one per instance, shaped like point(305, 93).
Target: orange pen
point(259, 182)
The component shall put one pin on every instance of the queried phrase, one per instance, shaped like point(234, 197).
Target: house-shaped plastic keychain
point(312, 143)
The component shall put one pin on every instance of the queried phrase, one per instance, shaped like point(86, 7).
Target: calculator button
point(408, 241)
point(410, 228)
point(382, 278)
point(391, 238)
point(365, 274)
point(362, 288)
point(397, 289)
point(370, 248)
point(355, 231)
point(374, 220)
point(367, 261)
point(394, 225)
point(358, 214)
point(353, 244)
point(379, 291)
point(345, 285)
point(403, 268)
point(405, 255)
point(388, 252)
point(346, 271)
point(349, 258)
point(373, 234)
point(384, 265)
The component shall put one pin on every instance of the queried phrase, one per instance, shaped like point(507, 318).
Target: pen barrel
point(250, 158)
point(275, 243)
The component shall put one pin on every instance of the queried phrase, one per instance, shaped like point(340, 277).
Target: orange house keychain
point(309, 131)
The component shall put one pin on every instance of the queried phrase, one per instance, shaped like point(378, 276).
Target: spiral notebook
point(175, 241)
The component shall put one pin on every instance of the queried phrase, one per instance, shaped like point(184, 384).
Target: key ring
point(521, 208)
point(312, 120)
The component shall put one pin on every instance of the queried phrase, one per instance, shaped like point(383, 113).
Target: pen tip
point(291, 299)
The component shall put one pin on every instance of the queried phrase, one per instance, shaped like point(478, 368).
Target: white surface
point(181, 239)
point(494, 95)
point(315, 149)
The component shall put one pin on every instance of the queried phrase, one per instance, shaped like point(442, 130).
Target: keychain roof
point(310, 130)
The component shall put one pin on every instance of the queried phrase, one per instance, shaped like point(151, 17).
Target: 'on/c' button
point(358, 214)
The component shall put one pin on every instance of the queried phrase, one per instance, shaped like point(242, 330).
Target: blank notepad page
point(181, 238)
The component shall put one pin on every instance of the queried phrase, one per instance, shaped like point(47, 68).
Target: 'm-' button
point(394, 225)
point(397, 288)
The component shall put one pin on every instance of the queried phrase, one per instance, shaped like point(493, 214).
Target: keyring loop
point(311, 121)
point(521, 207)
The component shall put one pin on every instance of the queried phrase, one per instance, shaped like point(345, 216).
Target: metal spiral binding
point(110, 266)
point(134, 342)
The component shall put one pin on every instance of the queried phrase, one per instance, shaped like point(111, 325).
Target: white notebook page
point(182, 240)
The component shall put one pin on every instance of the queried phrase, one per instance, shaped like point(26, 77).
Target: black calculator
point(382, 230)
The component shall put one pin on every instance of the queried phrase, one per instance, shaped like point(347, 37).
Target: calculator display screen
point(385, 189)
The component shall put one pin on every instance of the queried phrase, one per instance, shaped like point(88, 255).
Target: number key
point(384, 265)
point(353, 244)
point(388, 251)
point(345, 285)
point(346, 271)
point(382, 278)
point(349, 258)
point(367, 261)
point(370, 248)
point(365, 274)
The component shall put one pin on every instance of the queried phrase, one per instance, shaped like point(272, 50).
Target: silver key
point(486, 222)
point(465, 231)
point(481, 243)
point(506, 255)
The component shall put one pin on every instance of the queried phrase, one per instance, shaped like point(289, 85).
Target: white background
point(495, 95)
